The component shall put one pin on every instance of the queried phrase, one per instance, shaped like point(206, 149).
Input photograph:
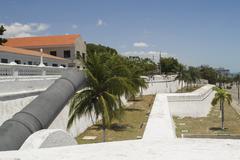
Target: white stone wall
point(10, 107)
point(156, 86)
point(194, 104)
point(47, 138)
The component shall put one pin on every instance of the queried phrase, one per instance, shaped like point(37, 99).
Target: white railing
point(8, 70)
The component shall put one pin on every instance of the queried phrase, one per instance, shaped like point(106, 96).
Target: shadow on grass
point(115, 127)
point(133, 109)
point(217, 129)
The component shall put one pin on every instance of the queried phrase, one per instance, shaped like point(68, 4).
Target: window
point(53, 53)
point(54, 65)
point(3, 60)
point(18, 61)
point(67, 54)
point(30, 63)
point(83, 56)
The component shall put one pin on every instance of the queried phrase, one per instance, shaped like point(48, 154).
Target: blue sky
point(195, 31)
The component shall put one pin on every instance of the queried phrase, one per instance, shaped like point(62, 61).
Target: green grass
point(131, 126)
point(210, 125)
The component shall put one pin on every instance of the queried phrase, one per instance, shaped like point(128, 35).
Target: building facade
point(223, 71)
point(69, 47)
point(30, 57)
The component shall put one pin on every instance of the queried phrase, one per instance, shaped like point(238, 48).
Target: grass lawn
point(210, 125)
point(188, 89)
point(131, 126)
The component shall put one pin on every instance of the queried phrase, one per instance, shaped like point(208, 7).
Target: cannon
point(41, 112)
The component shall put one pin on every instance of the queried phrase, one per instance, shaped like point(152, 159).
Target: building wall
point(79, 46)
point(58, 49)
point(34, 59)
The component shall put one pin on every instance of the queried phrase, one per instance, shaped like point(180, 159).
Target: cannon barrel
point(41, 112)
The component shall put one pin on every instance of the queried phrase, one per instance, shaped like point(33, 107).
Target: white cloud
point(100, 23)
point(74, 26)
point(24, 30)
point(140, 45)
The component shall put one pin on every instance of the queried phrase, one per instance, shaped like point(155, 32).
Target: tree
point(221, 96)
point(181, 76)
point(194, 74)
point(107, 80)
point(237, 81)
point(98, 48)
point(169, 65)
point(144, 65)
point(209, 74)
point(2, 30)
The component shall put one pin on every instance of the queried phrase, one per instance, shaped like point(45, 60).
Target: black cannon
point(41, 112)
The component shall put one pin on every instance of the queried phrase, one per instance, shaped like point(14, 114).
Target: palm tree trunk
point(222, 115)
point(119, 101)
point(182, 85)
point(91, 118)
point(104, 130)
point(238, 92)
point(104, 134)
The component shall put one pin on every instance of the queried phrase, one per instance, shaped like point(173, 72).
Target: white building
point(29, 57)
point(68, 47)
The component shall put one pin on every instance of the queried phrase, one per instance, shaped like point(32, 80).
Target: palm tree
point(194, 74)
point(100, 97)
point(221, 96)
point(237, 81)
point(181, 76)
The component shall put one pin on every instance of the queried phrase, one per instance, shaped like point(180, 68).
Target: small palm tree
point(221, 96)
point(100, 96)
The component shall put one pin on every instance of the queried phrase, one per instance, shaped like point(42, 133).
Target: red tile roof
point(42, 41)
point(28, 52)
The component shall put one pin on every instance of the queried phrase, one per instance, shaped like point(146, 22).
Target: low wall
point(9, 107)
point(157, 86)
point(12, 89)
point(160, 124)
point(194, 104)
point(79, 125)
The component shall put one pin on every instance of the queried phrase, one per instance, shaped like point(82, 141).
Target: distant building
point(223, 71)
point(65, 46)
point(29, 57)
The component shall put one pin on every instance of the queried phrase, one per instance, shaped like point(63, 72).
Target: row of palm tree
point(188, 75)
point(109, 76)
